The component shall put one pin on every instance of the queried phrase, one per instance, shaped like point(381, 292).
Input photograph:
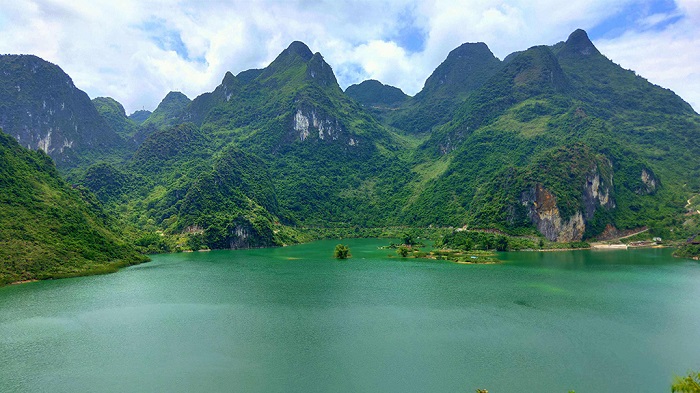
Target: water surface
point(295, 320)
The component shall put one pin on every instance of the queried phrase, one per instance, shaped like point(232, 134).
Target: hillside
point(375, 95)
point(325, 160)
point(465, 69)
point(567, 142)
point(49, 229)
point(114, 114)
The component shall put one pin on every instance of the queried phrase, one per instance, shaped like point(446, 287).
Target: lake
point(294, 319)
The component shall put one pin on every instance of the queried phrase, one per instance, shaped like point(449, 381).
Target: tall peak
point(471, 49)
point(579, 43)
point(299, 48)
point(465, 69)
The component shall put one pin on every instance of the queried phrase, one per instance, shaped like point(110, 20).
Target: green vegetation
point(688, 250)
point(478, 240)
point(341, 252)
point(168, 112)
point(49, 229)
point(688, 384)
point(374, 94)
point(140, 116)
point(517, 133)
point(114, 114)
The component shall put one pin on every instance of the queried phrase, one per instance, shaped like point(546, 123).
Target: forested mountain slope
point(563, 139)
point(47, 228)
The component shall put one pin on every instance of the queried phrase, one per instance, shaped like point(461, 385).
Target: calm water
point(295, 320)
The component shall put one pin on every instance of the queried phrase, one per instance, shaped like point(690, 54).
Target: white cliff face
point(45, 142)
point(66, 143)
point(648, 180)
point(301, 125)
point(597, 193)
point(573, 229)
point(329, 128)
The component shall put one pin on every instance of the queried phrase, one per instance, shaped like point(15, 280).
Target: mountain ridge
point(557, 141)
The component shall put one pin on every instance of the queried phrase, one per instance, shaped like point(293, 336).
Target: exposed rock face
point(546, 215)
point(650, 182)
point(596, 193)
point(312, 122)
point(239, 237)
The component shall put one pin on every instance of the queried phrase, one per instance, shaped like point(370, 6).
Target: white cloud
point(108, 51)
point(668, 58)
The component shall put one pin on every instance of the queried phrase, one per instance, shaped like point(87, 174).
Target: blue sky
point(137, 50)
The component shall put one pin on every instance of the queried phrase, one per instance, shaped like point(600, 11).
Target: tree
point(501, 243)
point(407, 239)
point(403, 251)
point(688, 384)
point(468, 244)
point(342, 251)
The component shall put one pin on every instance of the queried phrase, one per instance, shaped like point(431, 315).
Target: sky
point(136, 51)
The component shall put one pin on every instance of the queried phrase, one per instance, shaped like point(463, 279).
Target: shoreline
point(23, 282)
point(593, 246)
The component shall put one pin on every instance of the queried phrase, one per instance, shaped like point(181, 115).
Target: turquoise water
point(295, 320)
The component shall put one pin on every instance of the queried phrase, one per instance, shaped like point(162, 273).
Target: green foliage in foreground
point(47, 228)
point(688, 384)
point(341, 251)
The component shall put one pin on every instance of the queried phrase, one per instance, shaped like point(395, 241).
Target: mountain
point(557, 140)
point(114, 114)
point(372, 93)
point(140, 116)
point(167, 114)
point(563, 140)
point(465, 69)
point(265, 150)
point(41, 108)
point(49, 229)
point(328, 157)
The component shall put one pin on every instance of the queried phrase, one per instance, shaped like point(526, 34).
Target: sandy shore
point(599, 246)
point(22, 282)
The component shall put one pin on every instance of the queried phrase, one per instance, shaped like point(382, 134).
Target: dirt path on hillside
point(636, 233)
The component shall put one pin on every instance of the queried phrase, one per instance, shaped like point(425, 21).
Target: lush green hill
point(372, 93)
point(114, 114)
point(47, 228)
point(465, 69)
point(557, 140)
point(281, 145)
point(168, 113)
point(140, 116)
point(563, 140)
